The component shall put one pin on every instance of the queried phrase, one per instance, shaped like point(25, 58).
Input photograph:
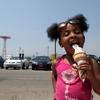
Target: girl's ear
point(60, 44)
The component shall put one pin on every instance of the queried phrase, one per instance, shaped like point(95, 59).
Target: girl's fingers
point(85, 67)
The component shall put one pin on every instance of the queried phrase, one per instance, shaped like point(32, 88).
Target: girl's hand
point(87, 67)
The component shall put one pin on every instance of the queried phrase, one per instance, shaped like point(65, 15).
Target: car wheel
point(23, 66)
point(6, 67)
point(33, 67)
point(2, 67)
point(27, 67)
point(15, 68)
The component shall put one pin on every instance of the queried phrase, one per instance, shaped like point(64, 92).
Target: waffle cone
point(80, 56)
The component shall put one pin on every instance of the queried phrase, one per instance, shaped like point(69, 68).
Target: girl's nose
point(72, 34)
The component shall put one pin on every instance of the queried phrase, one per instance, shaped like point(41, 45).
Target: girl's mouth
point(73, 43)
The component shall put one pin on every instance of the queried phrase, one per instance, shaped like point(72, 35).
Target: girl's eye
point(77, 31)
point(67, 33)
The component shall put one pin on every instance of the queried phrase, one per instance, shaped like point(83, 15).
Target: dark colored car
point(95, 57)
point(41, 62)
point(99, 60)
point(1, 62)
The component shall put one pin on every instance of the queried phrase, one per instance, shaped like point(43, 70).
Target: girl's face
point(70, 35)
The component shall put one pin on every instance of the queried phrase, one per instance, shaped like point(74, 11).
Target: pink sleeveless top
point(69, 86)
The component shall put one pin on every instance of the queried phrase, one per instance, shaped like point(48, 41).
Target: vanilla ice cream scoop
point(80, 57)
point(77, 48)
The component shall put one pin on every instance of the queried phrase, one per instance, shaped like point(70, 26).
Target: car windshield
point(14, 58)
point(39, 58)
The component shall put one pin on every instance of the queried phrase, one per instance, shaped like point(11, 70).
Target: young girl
point(66, 81)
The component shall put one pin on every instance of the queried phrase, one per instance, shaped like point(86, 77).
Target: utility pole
point(48, 51)
point(55, 48)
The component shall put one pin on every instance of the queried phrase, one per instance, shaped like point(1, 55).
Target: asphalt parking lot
point(27, 85)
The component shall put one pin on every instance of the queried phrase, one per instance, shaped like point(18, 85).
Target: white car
point(15, 63)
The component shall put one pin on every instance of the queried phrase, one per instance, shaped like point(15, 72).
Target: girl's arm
point(54, 77)
point(95, 80)
point(93, 73)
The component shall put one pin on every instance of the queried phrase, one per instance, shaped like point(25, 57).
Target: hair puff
point(52, 32)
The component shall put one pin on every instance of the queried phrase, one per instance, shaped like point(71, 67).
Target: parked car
point(41, 62)
point(1, 62)
point(95, 57)
point(99, 60)
point(15, 63)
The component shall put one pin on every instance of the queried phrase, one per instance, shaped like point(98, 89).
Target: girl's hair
point(54, 30)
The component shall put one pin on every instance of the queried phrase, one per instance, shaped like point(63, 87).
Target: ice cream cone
point(80, 58)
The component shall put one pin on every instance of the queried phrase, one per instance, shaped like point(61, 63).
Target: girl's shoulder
point(60, 59)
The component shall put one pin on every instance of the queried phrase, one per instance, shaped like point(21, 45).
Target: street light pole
point(48, 51)
point(55, 47)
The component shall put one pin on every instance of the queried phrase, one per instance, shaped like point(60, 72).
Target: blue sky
point(26, 21)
